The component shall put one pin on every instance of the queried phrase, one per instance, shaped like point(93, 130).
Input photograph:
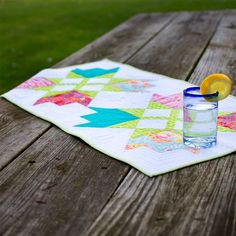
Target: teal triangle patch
point(90, 73)
point(105, 117)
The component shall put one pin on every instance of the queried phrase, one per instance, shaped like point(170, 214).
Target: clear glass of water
point(200, 118)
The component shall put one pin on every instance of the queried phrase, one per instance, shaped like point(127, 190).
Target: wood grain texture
point(18, 130)
point(181, 44)
point(56, 187)
point(119, 44)
point(185, 202)
point(220, 56)
point(123, 41)
point(59, 185)
point(25, 206)
point(198, 200)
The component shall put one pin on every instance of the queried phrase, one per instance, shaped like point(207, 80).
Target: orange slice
point(217, 82)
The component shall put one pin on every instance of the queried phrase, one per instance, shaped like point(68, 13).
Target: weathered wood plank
point(122, 42)
point(31, 159)
point(58, 178)
point(220, 56)
point(228, 20)
point(18, 130)
point(198, 200)
point(184, 202)
point(117, 44)
point(193, 32)
point(25, 216)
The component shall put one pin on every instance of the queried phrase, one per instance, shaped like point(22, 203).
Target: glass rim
point(188, 90)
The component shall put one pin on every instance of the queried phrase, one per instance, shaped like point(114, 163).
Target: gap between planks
point(71, 138)
point(27, 164)
point(186, 17)
point(198, 226)
point(138, 174)
point(82, 55)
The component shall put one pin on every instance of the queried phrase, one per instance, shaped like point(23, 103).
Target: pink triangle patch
point(228, 121)
point(36, 82)
point(172, 101)
point(66, 98)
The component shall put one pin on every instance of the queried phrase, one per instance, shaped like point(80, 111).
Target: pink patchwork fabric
point(137, 121)
point(36, 82)
point(228, 121)
point(172, 101)
point(66, 98)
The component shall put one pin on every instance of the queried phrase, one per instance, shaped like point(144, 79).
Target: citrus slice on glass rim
point(220, 83)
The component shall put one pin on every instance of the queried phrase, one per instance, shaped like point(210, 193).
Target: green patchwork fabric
point(129, 114)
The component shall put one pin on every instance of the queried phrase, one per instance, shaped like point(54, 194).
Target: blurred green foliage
point(35, 34)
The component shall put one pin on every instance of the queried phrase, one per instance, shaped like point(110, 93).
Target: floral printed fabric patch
point(129, 114)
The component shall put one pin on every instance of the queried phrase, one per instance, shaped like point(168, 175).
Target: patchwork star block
point(66, 98)
point(105, 117)
point(36, 82)
point(127, 113)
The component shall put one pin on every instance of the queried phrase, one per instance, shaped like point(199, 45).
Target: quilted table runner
point(126, 113)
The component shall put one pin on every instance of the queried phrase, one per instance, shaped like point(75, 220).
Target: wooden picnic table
point(52, 183)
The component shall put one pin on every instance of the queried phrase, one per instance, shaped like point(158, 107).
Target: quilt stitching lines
point(161, 131)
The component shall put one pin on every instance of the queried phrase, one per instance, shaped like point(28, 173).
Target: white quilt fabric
point(129, 114)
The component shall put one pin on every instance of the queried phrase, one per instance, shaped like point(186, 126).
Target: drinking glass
point(200, 118)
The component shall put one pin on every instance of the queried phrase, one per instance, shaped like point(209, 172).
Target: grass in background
point(35, 34)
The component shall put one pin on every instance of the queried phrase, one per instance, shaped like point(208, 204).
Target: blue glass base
point(206, 142)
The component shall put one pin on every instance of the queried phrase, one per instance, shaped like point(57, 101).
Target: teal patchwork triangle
point(90, 73)
point(105, 117)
